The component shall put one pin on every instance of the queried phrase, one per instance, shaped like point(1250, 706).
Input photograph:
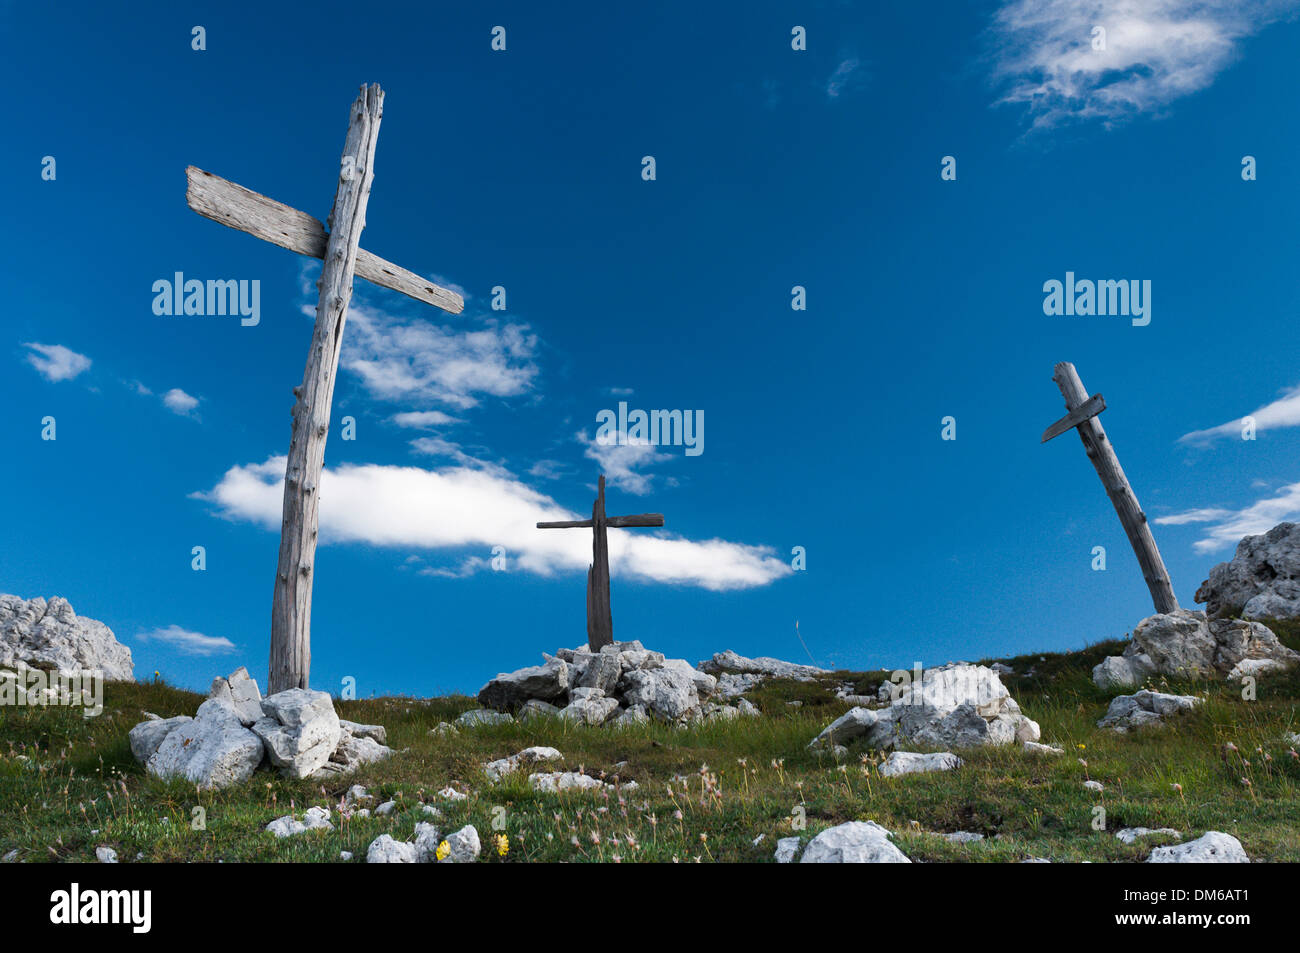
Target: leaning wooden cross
point(600, 622)
point(1082, 416)
point(239, 208)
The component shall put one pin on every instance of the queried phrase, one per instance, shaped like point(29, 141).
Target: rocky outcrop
point(624, 683)
point(236, 730)
point(50, 635)
point(1144, 708)
point(956, 706)
point(1213, 847)
point(1263, 579)
point(1187, 644)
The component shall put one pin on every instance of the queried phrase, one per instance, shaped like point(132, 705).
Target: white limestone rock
point(1033, 747)
point(48, 634)
point(852, 724)
point(1185, 644)
point(427, 840)
point(1263, 579)
point(482, 716)
point(666, 693)
point(955, 706)
point(464, 847)
point(590, 709)
point(315, 818)
point(1213, 847)
point(300, 731)
point(729, 662)
point(558, 781)
point(213, 750)
point(1144, 708)
point(907, 762)
point(855, 842)
point(1130, 835)
point(376, 733)
point(787, 849)
point(148, 735)
point(385, 850)
point(509, 690)
point(496, 770)
point(239, 690)
point(536, 708)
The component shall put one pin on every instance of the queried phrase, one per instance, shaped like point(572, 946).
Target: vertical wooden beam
point(290, 665)
point(600, 621)
point(1104, 460)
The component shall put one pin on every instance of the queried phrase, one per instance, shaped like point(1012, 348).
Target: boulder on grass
point(1213, 847)
point(857, 842)
point(1144, 708)
point(300, 730)
point(1185, 644)
point(213, 750)
point(509, 690)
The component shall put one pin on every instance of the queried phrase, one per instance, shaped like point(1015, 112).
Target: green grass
point(705, 792)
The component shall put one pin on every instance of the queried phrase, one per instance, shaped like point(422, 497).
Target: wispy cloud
point(1224, 528)
point(1155, 52)
point(842, 77)
point(414, 359)
point(1283, 412)
point(622, 463)
point(461, 507)
point(188, 643)
point(179, 402)
point(55, 362)
point(423, 419)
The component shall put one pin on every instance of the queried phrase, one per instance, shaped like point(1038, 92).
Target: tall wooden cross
point(600, 622)
point(1082, 416)
point(233, 205)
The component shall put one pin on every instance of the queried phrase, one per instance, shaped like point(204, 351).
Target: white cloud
point(179, 402)
point(187, 642)
point(459, 507)
point(842, 76)
point(619, 463)
point(548, 469)
point(423, 419)
point(1156, 51)
point(1226, 527)
point(55, 362)
point(415, 359)
point(1283, 412)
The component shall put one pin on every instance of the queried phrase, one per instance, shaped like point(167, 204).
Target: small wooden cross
point(1082, 416)
point(600, 622)
point(239, 208)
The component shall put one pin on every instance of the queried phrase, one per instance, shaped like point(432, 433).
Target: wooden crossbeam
point(244, 210)
point(1086, 411)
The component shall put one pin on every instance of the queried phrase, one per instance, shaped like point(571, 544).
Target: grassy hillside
point(68, 785)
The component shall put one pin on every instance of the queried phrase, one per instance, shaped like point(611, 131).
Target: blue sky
point(774, 168)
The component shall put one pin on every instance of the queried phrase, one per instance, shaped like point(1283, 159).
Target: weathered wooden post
point(240, 208)
point(1082, 416)
point(600, 621)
